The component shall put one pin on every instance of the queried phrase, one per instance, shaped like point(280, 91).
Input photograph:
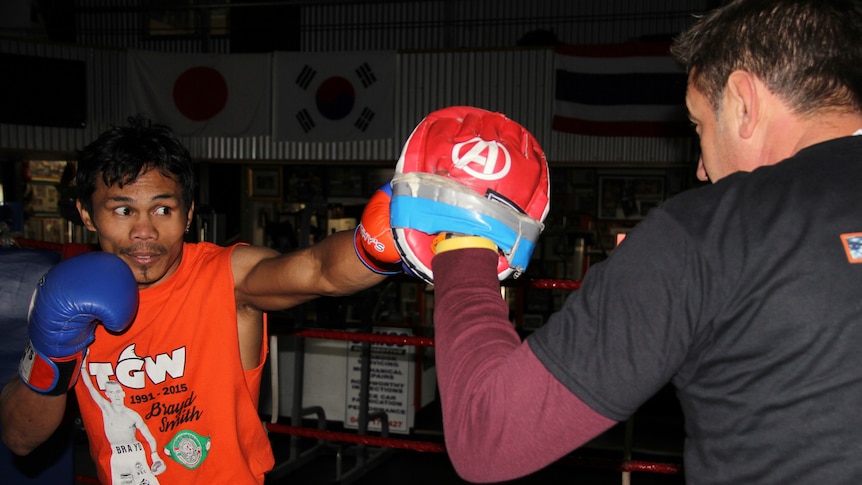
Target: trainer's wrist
point(450, 242)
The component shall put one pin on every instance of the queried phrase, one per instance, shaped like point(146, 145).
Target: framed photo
point(53, 229)
point(185, 22)
point(264, 183)
point(629, 197)
point(49, 229)
point(46, 170)
point(45, 198)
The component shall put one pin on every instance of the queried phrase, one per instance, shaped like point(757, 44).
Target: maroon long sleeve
point(504, 414)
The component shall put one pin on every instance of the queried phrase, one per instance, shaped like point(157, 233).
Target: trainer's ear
point(85, 216)
point(742, 98)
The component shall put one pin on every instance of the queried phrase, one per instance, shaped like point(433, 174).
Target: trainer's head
point(807, 52)
point(768, 78)
point(123, 153)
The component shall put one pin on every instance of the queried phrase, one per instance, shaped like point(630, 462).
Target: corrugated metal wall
point(333, 25)
point(515, 81)
point(480, 24)
point(124, 24)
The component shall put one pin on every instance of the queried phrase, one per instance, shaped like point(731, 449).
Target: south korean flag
point(340, 96)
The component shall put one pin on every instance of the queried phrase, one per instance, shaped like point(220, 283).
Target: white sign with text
point(389, 388)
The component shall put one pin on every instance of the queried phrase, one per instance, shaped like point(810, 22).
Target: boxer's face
point(143, 223)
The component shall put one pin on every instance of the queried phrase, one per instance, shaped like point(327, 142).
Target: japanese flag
point(202, 94)
point(339, 96)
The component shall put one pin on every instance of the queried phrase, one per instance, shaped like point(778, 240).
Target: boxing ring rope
point(626, 465)
point(546, 284)
point(432, 447)
point(66, 250)
point(354, 438)
point(366, 337)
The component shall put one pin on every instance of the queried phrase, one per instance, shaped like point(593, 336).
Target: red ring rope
point(357, 438)
point(555, 284)
point(650, 467)
point(424, 446)
point(367, 337)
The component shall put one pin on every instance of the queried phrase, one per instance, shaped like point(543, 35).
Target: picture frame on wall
point(46, 170)
point(629, 198)
point(44, 198)
point(265, 183)
point(53, 229)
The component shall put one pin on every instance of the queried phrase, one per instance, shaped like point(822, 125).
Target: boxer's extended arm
point(270, 281)
point(504, 414)
point(341, 264)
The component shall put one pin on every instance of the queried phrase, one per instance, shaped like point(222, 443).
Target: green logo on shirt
point(188, 448)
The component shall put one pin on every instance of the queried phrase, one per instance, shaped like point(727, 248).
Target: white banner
point(333, 96)
point(202, 94)
point(390, 385)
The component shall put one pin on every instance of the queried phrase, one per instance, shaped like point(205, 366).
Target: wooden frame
point(45, 198)
point(264, 183)
point(47, 170)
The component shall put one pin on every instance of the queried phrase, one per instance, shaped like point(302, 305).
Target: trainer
point(745, 294)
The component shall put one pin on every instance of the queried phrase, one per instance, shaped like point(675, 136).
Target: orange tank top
point(167, 401)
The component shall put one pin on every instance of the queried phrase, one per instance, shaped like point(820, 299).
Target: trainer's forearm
point(504, 414)
point(28, 418)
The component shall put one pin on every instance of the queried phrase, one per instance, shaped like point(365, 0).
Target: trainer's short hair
point(807, 52)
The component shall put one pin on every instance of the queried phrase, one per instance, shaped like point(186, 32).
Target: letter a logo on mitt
point(469, 171)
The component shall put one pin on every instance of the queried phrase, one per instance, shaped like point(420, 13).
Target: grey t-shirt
point(747, 295)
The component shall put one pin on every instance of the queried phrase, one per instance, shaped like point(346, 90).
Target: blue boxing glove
point(71, 299)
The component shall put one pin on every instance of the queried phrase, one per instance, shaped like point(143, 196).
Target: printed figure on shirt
point(121, 425)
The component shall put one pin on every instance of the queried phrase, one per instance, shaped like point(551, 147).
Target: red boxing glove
point(373, 240)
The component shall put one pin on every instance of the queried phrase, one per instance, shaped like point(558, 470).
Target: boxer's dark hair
point(120, 154)
point(806, 51)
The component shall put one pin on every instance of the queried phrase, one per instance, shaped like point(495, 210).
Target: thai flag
point(620, 90)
